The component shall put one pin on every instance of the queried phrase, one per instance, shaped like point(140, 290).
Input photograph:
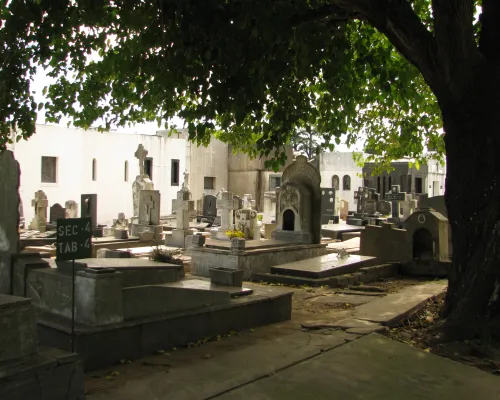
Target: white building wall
point(341, 164)
point(210, 161)
point(75, 150)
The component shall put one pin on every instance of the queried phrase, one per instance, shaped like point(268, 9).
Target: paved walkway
point(281, 361)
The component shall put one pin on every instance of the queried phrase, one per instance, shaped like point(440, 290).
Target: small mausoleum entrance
point(423, 245)
point(288, 220)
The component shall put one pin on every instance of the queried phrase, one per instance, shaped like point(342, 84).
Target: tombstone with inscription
point(40, 203)
point(149, 214)
point(209, 206)
point(299, 204)
point(329, 208)
point(395, 196)
point(184, 211)
point(88, 208)
point(71, 207)
point(142, 181)
point(57, 212)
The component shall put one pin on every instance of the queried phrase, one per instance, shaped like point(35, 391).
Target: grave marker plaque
point(328, 205)
point(74, 239)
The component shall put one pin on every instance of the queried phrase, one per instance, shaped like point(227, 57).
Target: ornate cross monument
point(184, 209)
point(141, 154)
point(395, 196)
point(40, 203)
point(142, 181)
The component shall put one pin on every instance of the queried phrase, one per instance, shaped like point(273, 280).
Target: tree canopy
point(251, 72)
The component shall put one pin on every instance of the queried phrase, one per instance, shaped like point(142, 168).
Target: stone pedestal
point(99, 298)
point(18, 335)
point(178, 237)
point(25, 372)
point(142, 182)
point(157, 230)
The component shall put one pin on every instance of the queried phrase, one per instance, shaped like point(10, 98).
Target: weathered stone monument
point(395, 196)
point(226, 204)
point(246, 222)
point(209, 206)
point(40, 203)
point(120, 227)
point(9, 217)
point(57, 212)
point(299, 204)
point(269, 214)
point(184, 211)
point(149, 215)
point(71, 209)
point(142, 181)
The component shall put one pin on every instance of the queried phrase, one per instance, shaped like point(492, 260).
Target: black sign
point(395, 196)
point(74, 239)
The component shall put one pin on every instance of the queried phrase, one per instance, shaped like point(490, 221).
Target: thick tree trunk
point(472, 135)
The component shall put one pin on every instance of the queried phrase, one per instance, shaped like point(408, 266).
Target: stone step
point(363, 275)
point(325, 266)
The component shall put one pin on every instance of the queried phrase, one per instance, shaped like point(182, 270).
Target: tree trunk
point(472, 123)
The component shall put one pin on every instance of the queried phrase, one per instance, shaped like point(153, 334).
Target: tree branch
point(489, 42)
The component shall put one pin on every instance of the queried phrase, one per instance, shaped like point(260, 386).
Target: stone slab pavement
point(394, 308)
point(210, 377)
point(373, 368)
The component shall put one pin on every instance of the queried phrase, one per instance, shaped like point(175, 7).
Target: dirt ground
point(415, 331)
point(308, 304)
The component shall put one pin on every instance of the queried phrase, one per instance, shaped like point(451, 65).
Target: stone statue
point(185, 184)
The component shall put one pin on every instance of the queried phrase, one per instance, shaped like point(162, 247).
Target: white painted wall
point(75, 149)
point(436, 173)
point(340, 164)
point(210, 161)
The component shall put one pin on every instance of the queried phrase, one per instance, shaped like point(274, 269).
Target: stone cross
point(395, 196)
point(184, 209)
point(40, 203)
point(361, 195)
point(141, 154)
point(226, 203)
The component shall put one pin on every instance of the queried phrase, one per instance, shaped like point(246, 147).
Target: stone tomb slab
point(202, 284)
point(324, 266)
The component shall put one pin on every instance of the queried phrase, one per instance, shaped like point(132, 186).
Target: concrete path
point(373, 368)
point(346, 362)
point(212, 376)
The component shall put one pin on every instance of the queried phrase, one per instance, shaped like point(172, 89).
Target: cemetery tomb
point(119, 300)
point(299, 204)
point(27, 372)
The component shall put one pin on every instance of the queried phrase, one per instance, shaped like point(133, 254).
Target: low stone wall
point(251, 261)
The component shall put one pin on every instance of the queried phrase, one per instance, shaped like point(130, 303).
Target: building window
point(335, 182)
point(49, 169)
point(94, 169)
point(174, 178)
point(346, 182)
point(419, 185)
point(125, 172)
point(148, 167)
point(209, 182)
point(274, 182)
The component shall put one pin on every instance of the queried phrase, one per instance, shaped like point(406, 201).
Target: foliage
point(163, 255)
point(246, 71)
point(307, 142)
point(235, 234)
